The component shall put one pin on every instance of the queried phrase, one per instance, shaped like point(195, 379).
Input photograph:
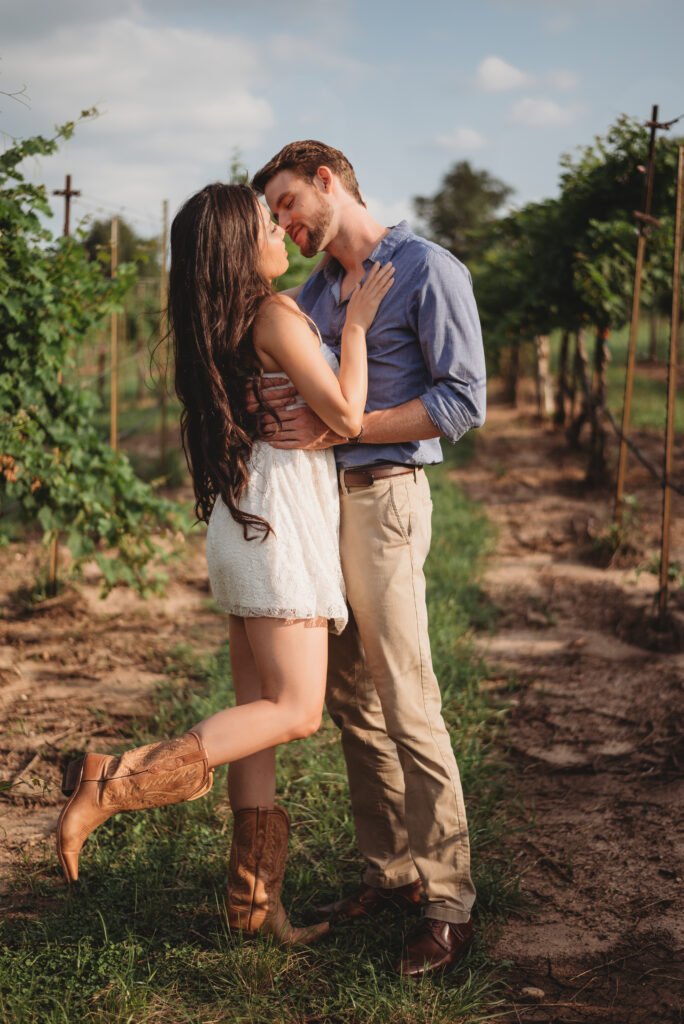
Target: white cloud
point(174, 102)
point(389, 213)
point(536, 111)
point(496, 75)
point(562, 79)
point(148, 82)
point(464, 139)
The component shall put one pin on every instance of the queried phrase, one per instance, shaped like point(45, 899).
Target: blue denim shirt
point(425, 342)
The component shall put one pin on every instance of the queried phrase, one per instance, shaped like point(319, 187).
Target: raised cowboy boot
point(255, 877)
point(99, 786)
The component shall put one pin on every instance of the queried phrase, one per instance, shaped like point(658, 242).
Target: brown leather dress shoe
point(370, 900)
point(435, 945)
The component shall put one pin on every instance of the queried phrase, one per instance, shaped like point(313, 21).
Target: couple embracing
point(307, 420)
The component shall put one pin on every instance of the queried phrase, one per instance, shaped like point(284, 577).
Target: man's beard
point(313, 237)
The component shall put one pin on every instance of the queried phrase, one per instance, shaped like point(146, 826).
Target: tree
point(458, 215)
point(568, 263)
point(53, 463)
point(132, 248)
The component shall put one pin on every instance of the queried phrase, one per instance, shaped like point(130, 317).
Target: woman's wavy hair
point(216, 287)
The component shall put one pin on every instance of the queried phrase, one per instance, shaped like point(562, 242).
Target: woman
point(271, 543)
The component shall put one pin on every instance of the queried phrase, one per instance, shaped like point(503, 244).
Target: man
point(426, 378)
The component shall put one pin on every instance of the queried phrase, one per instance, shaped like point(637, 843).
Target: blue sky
point(404, 89)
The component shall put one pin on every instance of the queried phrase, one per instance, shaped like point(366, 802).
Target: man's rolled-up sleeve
point(448, 327)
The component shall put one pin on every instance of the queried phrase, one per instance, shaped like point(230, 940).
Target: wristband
point(357, 439)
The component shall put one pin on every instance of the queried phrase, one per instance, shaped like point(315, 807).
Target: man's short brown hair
point(304, 158)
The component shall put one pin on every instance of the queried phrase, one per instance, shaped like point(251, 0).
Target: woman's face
point(274, 259)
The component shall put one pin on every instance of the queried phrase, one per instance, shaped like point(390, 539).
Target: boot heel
point(71, 776)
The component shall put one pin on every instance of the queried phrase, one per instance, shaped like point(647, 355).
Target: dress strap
point(313, 325)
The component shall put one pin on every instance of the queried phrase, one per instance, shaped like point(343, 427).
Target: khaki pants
point(404, 783)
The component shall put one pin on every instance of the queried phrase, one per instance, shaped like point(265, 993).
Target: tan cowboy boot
point(99, 786)
point(255, 877)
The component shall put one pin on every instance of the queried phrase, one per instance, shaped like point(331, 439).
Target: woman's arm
point(284, 340)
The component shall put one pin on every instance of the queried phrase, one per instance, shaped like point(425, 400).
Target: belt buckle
point(368, 473)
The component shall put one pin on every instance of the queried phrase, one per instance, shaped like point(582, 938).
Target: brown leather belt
point(365, 476)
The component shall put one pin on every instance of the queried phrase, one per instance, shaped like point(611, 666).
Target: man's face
point(302, 209)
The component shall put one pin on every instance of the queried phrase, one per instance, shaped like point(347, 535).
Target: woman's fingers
point(379, 279)
point(376, 287)
point(364, 301)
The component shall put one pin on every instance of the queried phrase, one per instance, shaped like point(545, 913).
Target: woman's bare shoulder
point(278, 311)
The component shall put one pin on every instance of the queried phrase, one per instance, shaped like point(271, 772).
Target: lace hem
point(337, 619)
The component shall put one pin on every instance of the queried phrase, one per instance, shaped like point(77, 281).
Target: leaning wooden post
point(671, 395)
point(114, 378)
point(636, 303)
point(163, 347)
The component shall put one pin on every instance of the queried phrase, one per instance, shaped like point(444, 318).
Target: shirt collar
point(381, 253)
point(387, 245)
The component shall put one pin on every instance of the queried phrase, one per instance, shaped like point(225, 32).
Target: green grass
point(142, 937)
point(649, 396)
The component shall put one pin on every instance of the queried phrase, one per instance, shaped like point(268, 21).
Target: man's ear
point(324, 178)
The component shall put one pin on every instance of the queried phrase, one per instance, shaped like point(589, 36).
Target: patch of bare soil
point(74, 671)
point(595, 733)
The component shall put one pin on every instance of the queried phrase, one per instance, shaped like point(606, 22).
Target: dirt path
point(75, 670)
point(595, 726)
point(595, 735)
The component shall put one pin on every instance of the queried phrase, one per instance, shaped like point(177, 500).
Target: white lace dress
point(295, 572)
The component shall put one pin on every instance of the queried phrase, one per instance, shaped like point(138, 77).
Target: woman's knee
point(304, 722)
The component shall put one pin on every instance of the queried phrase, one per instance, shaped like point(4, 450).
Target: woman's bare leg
point(291, 661)
point(251, 780)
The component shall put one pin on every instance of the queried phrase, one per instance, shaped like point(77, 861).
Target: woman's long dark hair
point(216, 286)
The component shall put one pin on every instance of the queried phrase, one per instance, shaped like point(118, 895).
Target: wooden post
point(141, 350)
point(573, 379)
point(671, 394)
point(636, 303)
point(67, 192)
point(542, 350)
point(562, 390)
point(114, 375)
point(163, 347)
